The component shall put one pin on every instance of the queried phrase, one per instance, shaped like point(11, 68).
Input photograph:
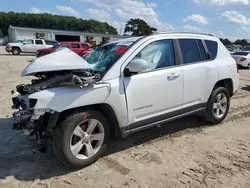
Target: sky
point(223, 18)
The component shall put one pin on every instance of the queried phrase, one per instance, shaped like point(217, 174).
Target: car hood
point(14, 44)
point(61, 60)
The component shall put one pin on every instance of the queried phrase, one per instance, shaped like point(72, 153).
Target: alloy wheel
point(87, 139)
point(220, 105)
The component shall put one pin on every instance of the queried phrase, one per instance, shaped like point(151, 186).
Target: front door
point(28, 45)
point(157, 93)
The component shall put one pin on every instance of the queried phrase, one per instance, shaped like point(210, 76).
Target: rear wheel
point(248, 66)
point(16, 51)
point(217, 106)
point(82, 138)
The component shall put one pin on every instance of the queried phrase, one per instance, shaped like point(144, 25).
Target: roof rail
point(208, 34)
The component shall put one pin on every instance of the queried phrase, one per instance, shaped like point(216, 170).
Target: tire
point(214, 105)
point(248, 67)
point(16, 51)
point(63, 139)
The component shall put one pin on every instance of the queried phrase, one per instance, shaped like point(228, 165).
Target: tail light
point(243, 59)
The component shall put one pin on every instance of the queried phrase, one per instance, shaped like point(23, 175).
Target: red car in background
point(81, 48)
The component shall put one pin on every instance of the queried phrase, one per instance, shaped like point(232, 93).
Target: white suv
point(29, 46)
point(120, 88)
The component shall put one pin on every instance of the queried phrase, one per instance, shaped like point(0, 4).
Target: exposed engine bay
point(35, 123)
point(48, 80)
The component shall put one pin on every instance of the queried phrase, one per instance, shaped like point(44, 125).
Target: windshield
point(103, 57)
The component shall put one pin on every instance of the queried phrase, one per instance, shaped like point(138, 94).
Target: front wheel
point(82, 138)
point(217, 106)
point(16, 51)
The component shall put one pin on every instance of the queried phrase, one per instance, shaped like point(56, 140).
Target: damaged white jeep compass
point(120, 88)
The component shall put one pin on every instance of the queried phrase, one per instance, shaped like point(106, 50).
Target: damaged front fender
point(64, 98)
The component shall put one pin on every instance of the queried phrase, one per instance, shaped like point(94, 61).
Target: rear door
point(85, 49)
point(39, 44)
point(75, 47)
point(199, 73)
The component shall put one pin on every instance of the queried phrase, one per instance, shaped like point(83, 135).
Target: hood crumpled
point(60, 60)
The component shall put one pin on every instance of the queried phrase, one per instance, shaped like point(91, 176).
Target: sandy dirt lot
point(184, 153)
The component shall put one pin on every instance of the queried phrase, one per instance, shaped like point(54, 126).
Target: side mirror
point(24, 42)
point(137, 65)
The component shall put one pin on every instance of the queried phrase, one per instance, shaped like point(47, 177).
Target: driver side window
point(158, 54)
point(29, 41)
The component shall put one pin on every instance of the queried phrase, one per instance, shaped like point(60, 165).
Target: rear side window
point(39, 42)
point(85, 46)
point(189, 50)
point(212, 47)
point(75, 45)
point(202, 51)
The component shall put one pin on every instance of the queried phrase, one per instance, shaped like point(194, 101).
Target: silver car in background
point(242, 58)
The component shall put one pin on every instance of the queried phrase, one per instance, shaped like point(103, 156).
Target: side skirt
point(128, 132)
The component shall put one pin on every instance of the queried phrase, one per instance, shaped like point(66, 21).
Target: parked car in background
point(234, 48)
point(242, 58)
point(80, 48)
point(28, 46)
point(246, 48)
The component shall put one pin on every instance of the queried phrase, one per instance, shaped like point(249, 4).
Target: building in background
point(21, 33)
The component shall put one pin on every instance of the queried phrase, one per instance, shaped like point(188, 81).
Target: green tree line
point(136, 27)
point(49, 21)
point(242, 42)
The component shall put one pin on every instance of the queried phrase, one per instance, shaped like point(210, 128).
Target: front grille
point(16, 103)
point(32, 103)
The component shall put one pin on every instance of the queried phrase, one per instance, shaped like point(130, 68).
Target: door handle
point(173, 76)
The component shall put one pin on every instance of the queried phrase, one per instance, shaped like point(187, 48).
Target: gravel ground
point(184, 153)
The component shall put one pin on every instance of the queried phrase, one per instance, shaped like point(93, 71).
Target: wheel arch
point(16, 47)
point(226, 83)
point(104, 108)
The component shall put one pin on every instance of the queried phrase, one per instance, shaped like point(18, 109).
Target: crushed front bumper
point(8, 49)
point(37, 125)
point(21, 119)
